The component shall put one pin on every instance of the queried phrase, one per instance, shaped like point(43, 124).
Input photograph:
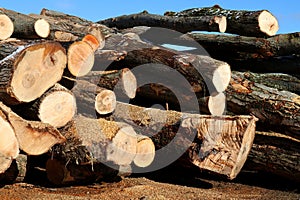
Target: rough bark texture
point(241, 22)
point(215, 148)
point(26, 26)
point(181, 24)
point(276, 154)
point(23, 72)
point(276, 110)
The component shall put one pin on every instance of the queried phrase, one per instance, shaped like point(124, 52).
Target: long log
point(276, 110)
point(241, 22)
point(181, 24)
point(276, 154)
point(205, 140)
point(199, 71)
point(23, 72)
point(33, 137)
point(25, 26)
point(57, 106)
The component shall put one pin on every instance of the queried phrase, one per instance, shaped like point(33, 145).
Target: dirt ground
point(161, 185)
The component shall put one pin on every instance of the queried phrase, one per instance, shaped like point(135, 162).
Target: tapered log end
point(145, 152)
point(57, 108)
point(268, 23)
point(222, 21)
point(129, 83)
point(33, 65)
point(221, 77)
point(105, 102)
point(80, 58)
point(42, 28)
point(217, 104)
point(6, 27)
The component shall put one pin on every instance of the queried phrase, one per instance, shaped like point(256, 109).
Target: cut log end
point(58, 108)
point(80, 58)
point(222, 21)
point(105, 102)
point(33, 65)
point(6, 27)
point(5, 163)
point(221, 77)
point(96, 32)
point(42, 28)
point(129, 83)
point(217, 104)
point(92, 41)
point(268, 23)
point(145, 152)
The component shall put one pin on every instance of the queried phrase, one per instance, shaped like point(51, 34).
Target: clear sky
point(286, 11)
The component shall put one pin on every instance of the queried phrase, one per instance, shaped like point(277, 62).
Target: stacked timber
point(81, 94)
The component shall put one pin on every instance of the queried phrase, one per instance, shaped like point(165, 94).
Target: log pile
point(75, 91)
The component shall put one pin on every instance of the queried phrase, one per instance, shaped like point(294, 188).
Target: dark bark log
point(276, 154)
point(33, 137)
point(241, 47)
point(276, 110)
point(57, 106)
point(23, 72)
point(26, 26)
point(204, 151)
point(181, 24)
point(241, 22)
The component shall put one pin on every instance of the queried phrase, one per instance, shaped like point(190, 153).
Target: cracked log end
point(6, 27)
point(268, 23)
point(80, 58)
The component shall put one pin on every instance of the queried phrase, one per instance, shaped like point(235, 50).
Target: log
point(276, 110)
point(200, 71)
point(27, 27)
point(33, 137)
point(145, 151)
point(121, 81)
point(259, 23)
point(203, 140)
point(7, 26)
point(96, 141)
point(181, 24)
point(57, 106)
point(241, 47)
point(10, 175)
point(23, 72)
point(276, 154)
point(92, 41)
point(80, 58)
point(91, 98)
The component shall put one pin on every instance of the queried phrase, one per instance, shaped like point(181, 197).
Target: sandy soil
point(165, 184)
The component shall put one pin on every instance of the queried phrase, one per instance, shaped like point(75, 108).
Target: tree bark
point(241, 22)
point(276, 110)
point(23, 72)
point(57, 106)
point(34, 138)
point(215, 148)
point(276, 154)
point(121, 81)
point(7, 26)
point(26, 26)
point(181, 24)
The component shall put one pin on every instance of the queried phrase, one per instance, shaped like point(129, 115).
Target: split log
point(276, 110)
point(221, 144)
point(57, 106)
point(121, 81)
point(91, 98)
point(33, 137)
point(80, 58)
point(23, 72)
point(145, 151)
point(97, 141)
point(25, 26)
point(275, 153)
point(240, 47)
point(181, 24)
point(241, 22)
point(6, 25)
point(199, 71)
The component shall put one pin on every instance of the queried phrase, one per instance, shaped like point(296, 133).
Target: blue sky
point(287, 12)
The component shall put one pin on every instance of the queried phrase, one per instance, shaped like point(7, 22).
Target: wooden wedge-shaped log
point(24, 71)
